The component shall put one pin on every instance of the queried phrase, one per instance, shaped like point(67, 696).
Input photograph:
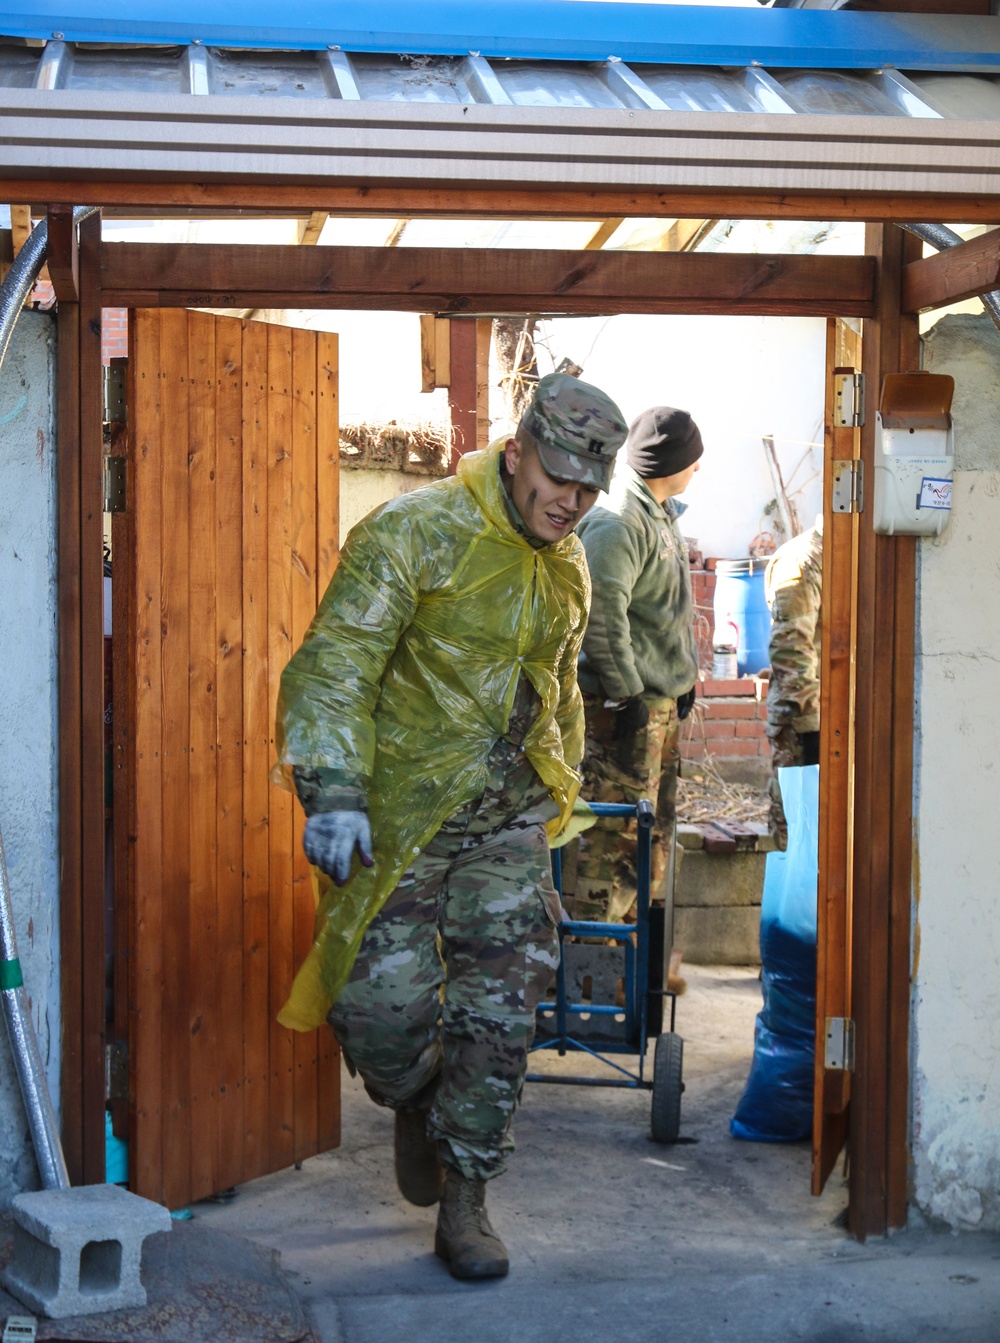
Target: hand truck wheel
point(668, 1064)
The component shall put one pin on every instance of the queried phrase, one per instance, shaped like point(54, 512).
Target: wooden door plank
point(175, 633)
point(147, 967)
point(838, 621)
point(302, 576)
point(327, 553)
point(204, 1024)
point(464, 280)
point(229, 999)
point(328, 460)
point(901, 890)
point(256, 738)
point(279, 650)
point(71, 733)
point(92, 818)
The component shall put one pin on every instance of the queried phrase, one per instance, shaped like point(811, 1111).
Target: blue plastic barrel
point(741, 615)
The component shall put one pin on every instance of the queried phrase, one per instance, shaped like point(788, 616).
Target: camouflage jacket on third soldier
point(792, 585)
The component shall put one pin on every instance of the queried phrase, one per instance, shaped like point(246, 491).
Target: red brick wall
point(729, 720)
point(114, 334)
point(703, 591)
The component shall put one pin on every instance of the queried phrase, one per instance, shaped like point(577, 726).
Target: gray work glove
point(330, 839)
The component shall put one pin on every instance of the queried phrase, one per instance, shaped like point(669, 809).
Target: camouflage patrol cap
point(576, 428)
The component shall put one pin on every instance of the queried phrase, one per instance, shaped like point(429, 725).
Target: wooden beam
point(468, 391)
point(955, 273)
point(311, 228)
point(63, 254)
point(510, 202)
point(463, 281)
point(602, 233)
point(20, 225)
point(882, 800)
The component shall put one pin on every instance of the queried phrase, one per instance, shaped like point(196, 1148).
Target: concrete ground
point(612, 1237)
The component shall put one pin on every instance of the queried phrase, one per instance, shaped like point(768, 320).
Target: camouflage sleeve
point(793, 694)
point(615, 560)
point(330, 687)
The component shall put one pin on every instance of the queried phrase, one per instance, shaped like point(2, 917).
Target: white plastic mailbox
point(914, 454)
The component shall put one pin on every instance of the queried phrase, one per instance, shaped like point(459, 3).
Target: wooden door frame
point(885, 663)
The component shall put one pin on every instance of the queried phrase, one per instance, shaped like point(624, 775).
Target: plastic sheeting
point(407, 677)
point(777, 1102)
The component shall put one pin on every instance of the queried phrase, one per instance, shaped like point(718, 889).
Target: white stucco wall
point(956, 987)
point(28, 712)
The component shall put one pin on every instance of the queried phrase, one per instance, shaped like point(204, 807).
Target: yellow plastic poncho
point(406, 679)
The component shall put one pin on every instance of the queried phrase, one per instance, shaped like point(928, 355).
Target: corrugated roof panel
point(832, 93)
point(411, 79)
point(967, 97)
point(699, 88)
point(553, 84)
point(272, 74)
point(137, 70)
point(18, 67)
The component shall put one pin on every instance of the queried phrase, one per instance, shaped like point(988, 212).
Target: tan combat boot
point(419, 1174)
point(464, 1238)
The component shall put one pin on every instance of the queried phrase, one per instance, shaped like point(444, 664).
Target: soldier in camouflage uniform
point(639, 661)
point(793, 586)
point(432, 724)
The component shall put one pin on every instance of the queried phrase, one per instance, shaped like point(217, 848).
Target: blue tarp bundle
point(777, 1102)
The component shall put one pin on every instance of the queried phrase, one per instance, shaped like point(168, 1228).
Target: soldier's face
point(550, 508)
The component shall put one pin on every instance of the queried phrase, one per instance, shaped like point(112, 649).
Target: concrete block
point(723, 879)
point(79, 1251)
point(718, 936)
point(690, 836)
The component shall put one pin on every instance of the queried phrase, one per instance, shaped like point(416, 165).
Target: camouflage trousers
point(786, 749)
point(443, 994)
point(643, 765)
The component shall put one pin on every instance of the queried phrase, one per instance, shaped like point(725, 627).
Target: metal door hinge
point(114, 392)
point(839, 1051)
point(849, 399)
point(848, 486)
point(115, 497)
point(116, 1071)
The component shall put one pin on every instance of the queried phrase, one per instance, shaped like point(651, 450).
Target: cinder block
point(718, 936)
point(79, 1251)
point(723, 879)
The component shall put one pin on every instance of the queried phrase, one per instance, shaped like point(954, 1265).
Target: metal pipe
point(16, 287)
point(942, 237)
point(24, 1047)
point(20, 279)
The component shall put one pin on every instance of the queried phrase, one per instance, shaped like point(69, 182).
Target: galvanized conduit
point(942, 237)
point(52, 1170)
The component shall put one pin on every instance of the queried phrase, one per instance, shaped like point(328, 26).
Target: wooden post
point(883, 795)
point(81, 703)
point(468, 392)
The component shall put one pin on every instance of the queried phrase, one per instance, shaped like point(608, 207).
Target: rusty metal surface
point(203, 1286)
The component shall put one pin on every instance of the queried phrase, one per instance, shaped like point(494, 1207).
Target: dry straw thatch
point(384, 445)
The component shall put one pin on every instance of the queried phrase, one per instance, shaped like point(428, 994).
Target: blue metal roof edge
point(571, 30)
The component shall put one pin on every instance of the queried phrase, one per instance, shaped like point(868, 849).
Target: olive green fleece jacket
point(640, 636)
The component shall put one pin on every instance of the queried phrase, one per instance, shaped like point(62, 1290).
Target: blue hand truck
point(611, 991)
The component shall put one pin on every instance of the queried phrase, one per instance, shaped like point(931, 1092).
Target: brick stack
point(114, 334)
point(730, 721)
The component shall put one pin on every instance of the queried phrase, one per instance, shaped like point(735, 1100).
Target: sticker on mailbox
point(934, 493)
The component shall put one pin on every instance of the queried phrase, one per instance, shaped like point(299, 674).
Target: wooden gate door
point(836, 830)
point(232, 537)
